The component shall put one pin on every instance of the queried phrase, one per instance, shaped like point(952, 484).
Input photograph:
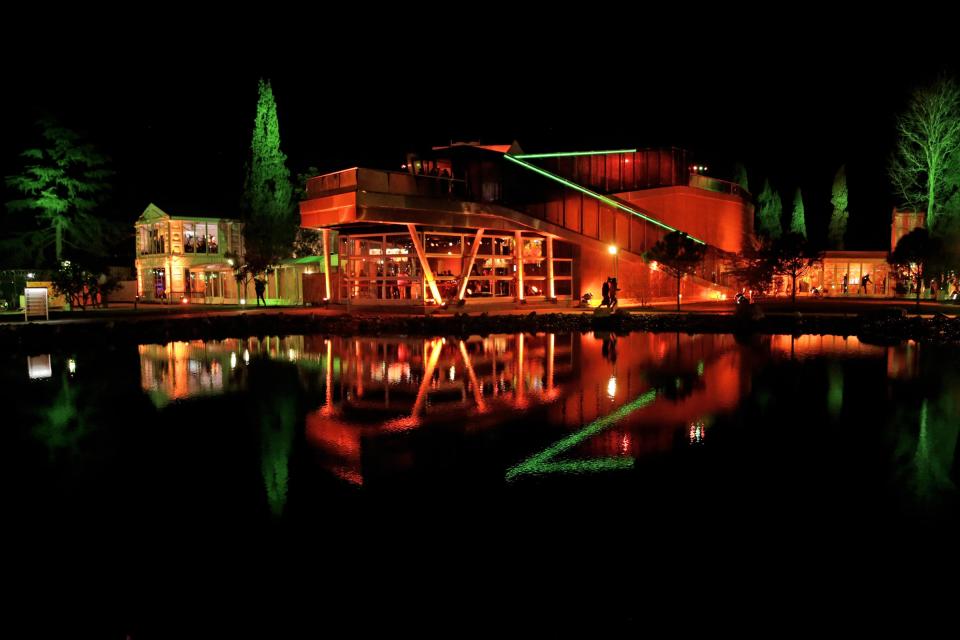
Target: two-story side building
point(182, 258)
point(190, 259)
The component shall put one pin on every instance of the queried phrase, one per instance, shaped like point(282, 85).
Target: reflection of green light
point(936, 447)
point(700, 369)
point(608, 201)
point(835, 390)
point(278, 420)
point(540, 463)
point(565, 154)
point(62, 425)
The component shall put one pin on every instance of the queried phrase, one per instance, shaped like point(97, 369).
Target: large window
point(201, 237)
point(380, 267)
point(152, 239)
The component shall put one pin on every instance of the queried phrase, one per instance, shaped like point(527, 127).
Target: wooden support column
point(518, 263)
point(326, 263)
point(427, 273)
point(551, 294)
point(465, 276)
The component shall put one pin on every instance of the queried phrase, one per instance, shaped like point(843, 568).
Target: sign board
point(36, 303)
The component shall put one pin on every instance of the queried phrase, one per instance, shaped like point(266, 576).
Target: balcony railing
point(393, 182)
point(720, 186)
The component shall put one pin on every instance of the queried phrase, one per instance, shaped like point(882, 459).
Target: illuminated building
point(184, 259)
point(486, 223)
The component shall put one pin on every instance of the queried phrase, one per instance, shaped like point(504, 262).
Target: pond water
point(392, 453)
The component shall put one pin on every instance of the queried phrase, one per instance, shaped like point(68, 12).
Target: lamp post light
point(613, 251)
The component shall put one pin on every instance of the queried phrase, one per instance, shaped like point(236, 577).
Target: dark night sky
point(173, 102)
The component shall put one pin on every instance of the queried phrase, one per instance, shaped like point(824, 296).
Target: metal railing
point(720, 186)
point(393, 182)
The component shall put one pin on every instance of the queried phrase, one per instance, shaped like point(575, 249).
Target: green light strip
point(592, 194)
point(540, 463)
point(569, 154)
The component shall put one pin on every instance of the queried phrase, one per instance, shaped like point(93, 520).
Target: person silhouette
point(606, 294)
point(609, 348)
point(259, 285)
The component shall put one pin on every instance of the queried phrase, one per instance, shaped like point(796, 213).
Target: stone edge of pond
point(874, 328)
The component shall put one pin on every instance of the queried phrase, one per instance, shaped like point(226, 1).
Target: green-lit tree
point(677, 255)
point(838, 220)
point(769, 211)
point(63, 182)
point(740, 176)
point(798, 221)
point(269, 212)
point(307, 242)
point(928, 140)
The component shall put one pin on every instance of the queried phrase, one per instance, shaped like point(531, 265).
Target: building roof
point(498, 148)
point(154, 213)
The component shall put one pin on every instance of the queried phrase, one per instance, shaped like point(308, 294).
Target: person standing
point(259, 285)
point(846, 281)
point(606, 294)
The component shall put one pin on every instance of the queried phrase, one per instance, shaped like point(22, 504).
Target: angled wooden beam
point(465, 276)
point(422, 255)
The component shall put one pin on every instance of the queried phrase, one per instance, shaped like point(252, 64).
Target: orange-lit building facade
point(841, 273)
point(474, 224)
point(184, 258)
point(188, 259)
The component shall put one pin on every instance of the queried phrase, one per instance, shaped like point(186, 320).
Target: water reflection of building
point(903, 361)
point(695, 377)
point(368, 396)
point(386, 386)
point(812, 346)
point(179, 370)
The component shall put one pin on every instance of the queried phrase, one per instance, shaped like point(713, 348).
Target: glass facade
point(385, 268)
point(845, 276)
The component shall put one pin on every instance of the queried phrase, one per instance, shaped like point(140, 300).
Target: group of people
point(949, 287)
point(862, 287)
point(609, 292)
point(434, 170)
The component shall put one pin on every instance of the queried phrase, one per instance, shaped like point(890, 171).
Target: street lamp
point(612, 249)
